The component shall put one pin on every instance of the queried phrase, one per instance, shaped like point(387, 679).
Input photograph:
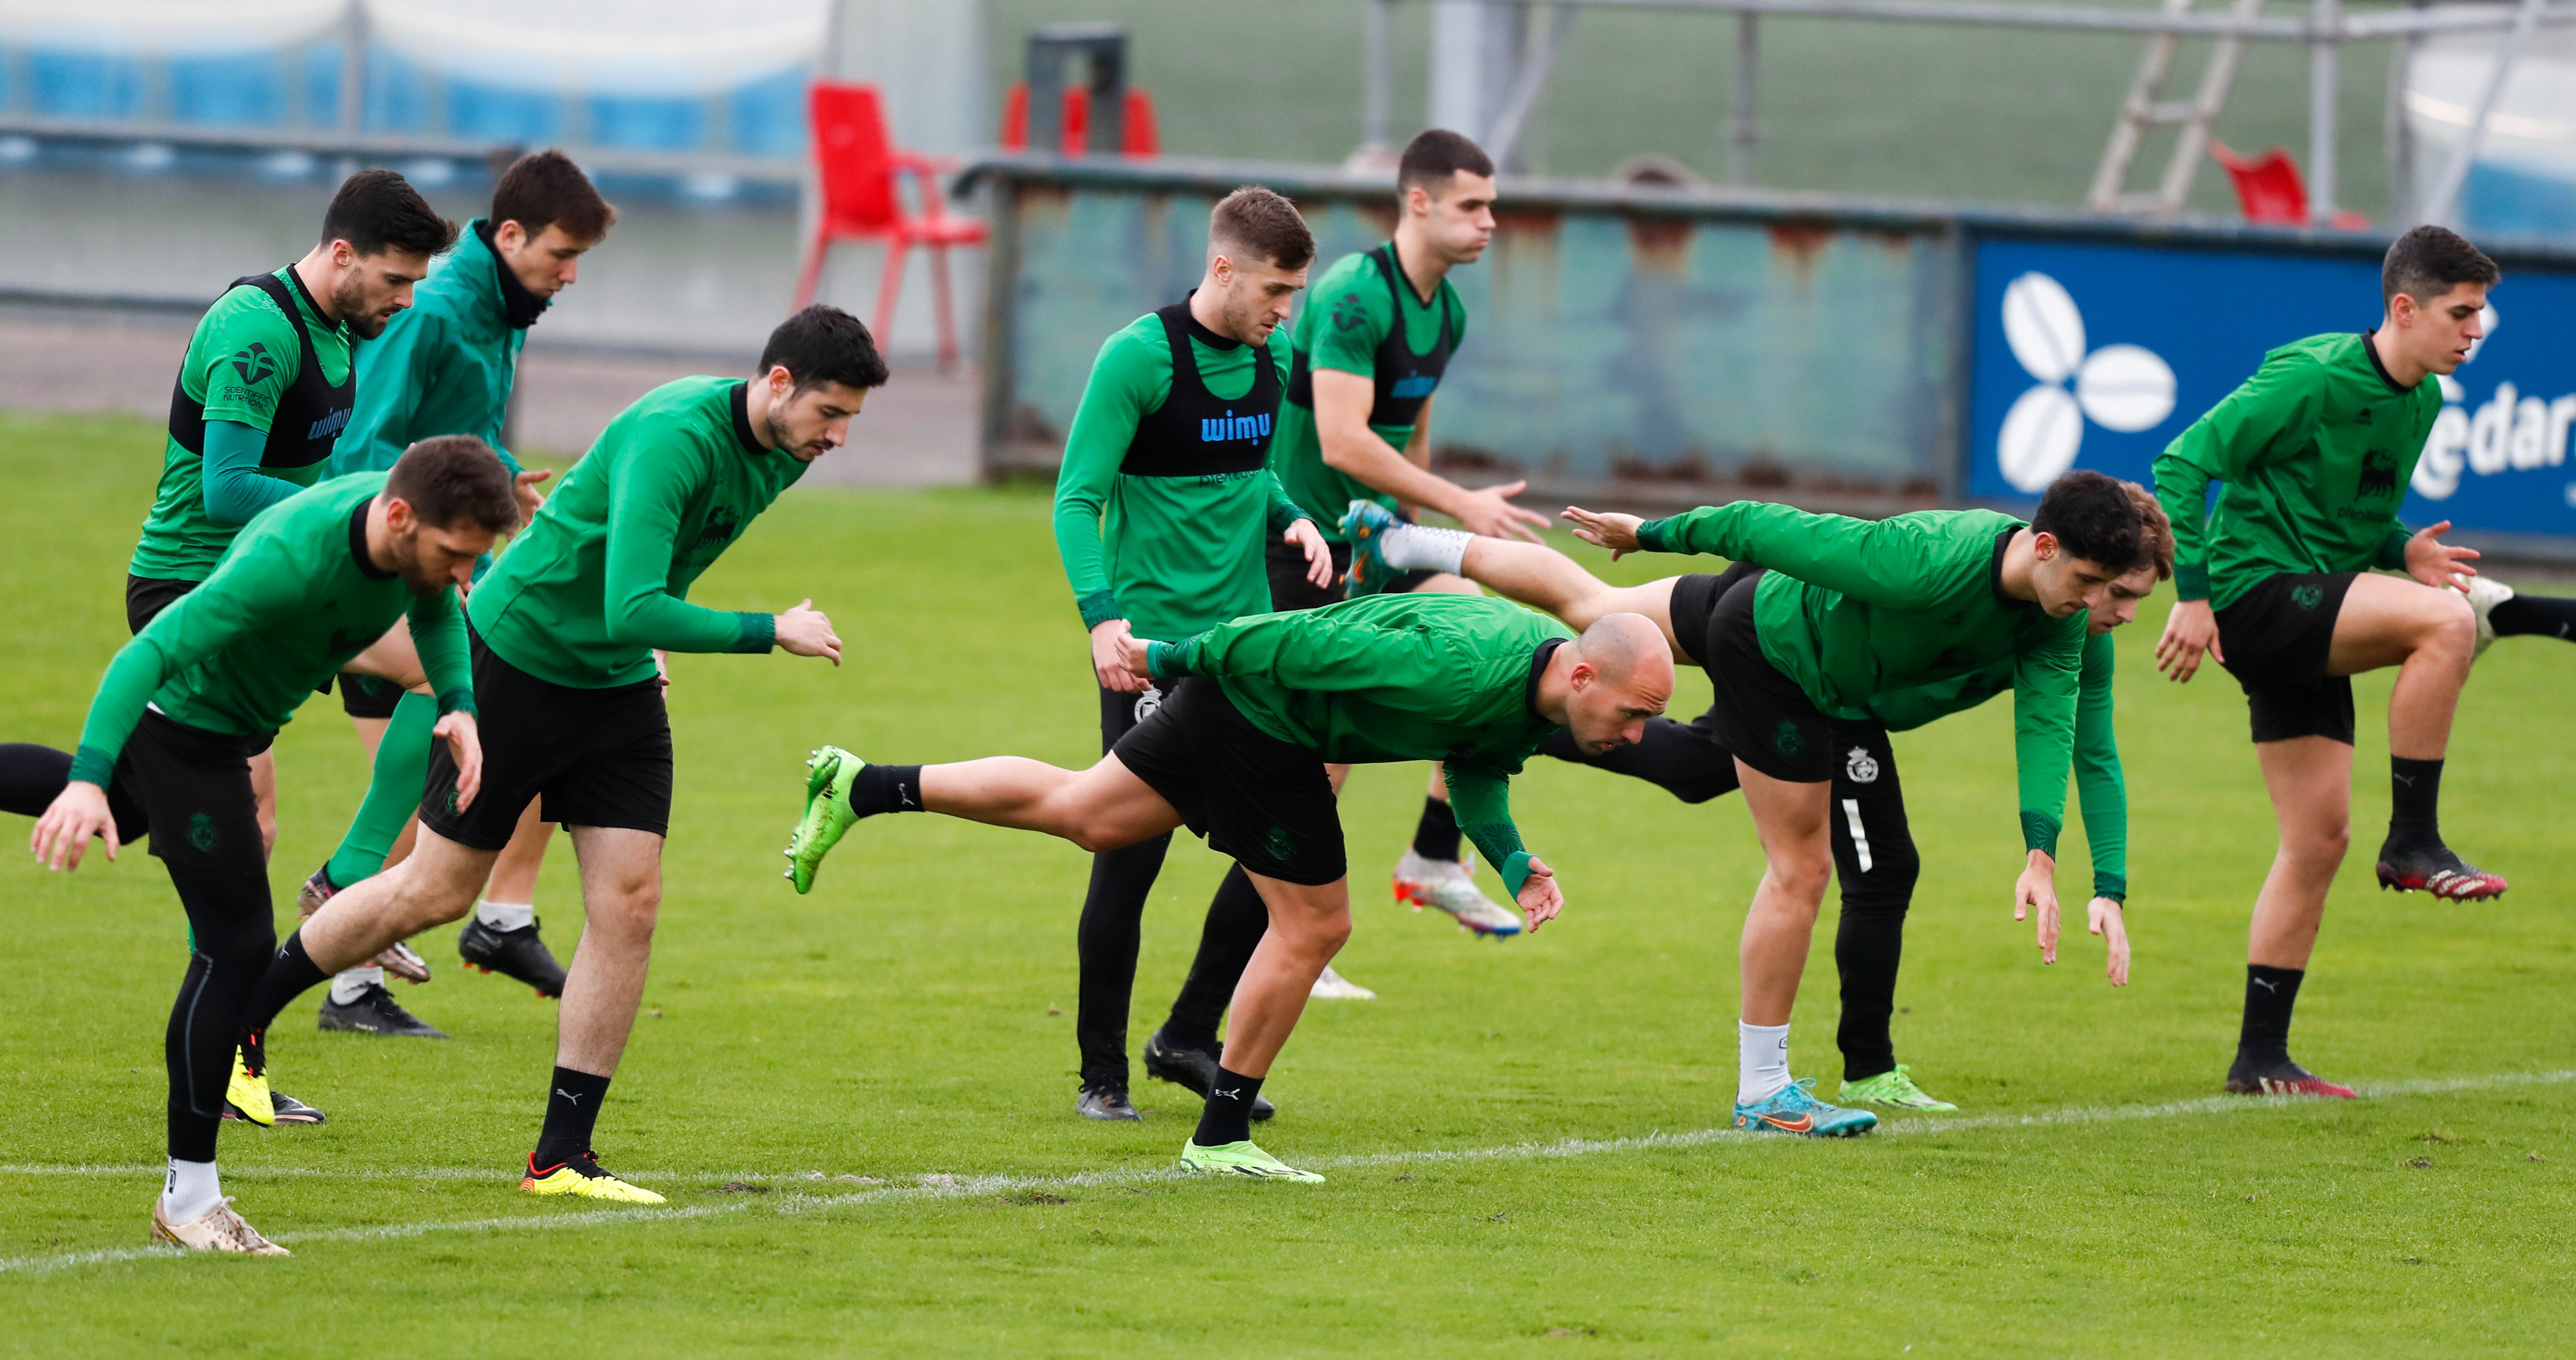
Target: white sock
point(506, 915)
point(1411, 547)
point(190, 1191)
point(1761, 1061)
point(350, 985)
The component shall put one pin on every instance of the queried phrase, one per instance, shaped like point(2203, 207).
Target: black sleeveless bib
point(1404, 379)
point(1196, 434)
point(310, 413)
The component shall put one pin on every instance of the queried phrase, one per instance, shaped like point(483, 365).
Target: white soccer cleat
point(1333, 986)
point(1446, 884)
point(217, 1229)
point(2485, 593)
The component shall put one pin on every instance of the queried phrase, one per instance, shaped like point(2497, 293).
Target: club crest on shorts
point(1787, 740)
point(1280, 844)
point(1148, 702)
point(202, 833)
point(1861, 767)
point(2307, 596)
point(451, 800)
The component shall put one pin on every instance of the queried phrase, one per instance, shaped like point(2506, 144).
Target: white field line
point(971, 1187)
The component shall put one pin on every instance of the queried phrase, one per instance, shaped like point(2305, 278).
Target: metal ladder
point(2147, 105)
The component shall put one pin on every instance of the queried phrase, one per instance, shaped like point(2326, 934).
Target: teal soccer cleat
point(1794, 1109)
point(1365, 524)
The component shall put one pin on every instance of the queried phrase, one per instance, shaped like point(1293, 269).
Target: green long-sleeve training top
point(288, 604)
point(444, 365)
point(1852, 609)
point(1387, 678)
point(1171, 555)
point(2100, 788)
point(2315, 450)
point(601, 578)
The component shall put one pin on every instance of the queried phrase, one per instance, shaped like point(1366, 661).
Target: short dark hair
point(1262, 222)
point(2429, 261)
point(378, 210)
point(824, 344)
point(1431, 158)
point(2092, 517)
point(452, 478)
point(2155, 531)
point(544, 188)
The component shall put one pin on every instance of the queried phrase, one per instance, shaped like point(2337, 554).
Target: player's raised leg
point(2431, 637)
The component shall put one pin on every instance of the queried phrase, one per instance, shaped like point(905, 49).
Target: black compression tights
point(229, 922)
point(1108, 938)
point(1870, 941)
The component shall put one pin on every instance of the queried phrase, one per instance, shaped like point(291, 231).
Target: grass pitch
point(1521, 1137)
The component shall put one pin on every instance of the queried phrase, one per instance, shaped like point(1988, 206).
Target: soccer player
point(1237, 755)
point(565, 629)
point(1849, 610)
point(445, 366)
point(1366, 353)
point(2315, 452)
point(208, 683)
point(1873, 847)
point(1161, 511)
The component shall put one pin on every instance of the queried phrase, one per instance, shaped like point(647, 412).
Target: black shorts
point(1119, 713)
point(597, 757)
point(1263, 801)
point(2278, 637)
point(1759, 715)
point(146, 596)
point(192, 788)
point(368, 696)
point(1291, 590)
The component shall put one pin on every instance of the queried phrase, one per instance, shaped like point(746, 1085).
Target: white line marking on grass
point(970, 1187)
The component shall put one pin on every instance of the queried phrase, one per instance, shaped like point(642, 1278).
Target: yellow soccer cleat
point(247, 1092)
point(582, 1176)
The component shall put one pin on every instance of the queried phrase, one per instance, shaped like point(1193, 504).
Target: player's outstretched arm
point(1349, 446)
point(1616, 532)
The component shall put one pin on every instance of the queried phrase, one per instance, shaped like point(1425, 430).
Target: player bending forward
point(565, 629)
point(1237, 755)
point(2315, 451)
point(1850, 610)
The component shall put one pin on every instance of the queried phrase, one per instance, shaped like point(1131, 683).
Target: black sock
point(2270, 993)
point(2528, 615)
point(1228, 1115)
point(290, 974)
point(1437, 835)
point(2415, 797)
point(887, 788)
point(572, 1111)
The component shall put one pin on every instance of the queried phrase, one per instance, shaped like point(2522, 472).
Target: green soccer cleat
point(1893, 1089)
point(1365, 524)
point(828, 814)
point(1241, 1159)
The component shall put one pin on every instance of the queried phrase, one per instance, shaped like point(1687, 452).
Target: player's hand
point(2191, 629)
point(1490, 513)
point(1319, 557)
point(524, 488)
point(1136, 652)
point(2436, 563)
point(803, 631)
point(2107, 921)
point(464, 738)
point(62, 834)
point(2036, 891)
point(1618, 533)
point(662, 667)
point(1540, 899)
point(1109, 656)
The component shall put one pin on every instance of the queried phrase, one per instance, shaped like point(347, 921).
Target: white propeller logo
point(2119, 387)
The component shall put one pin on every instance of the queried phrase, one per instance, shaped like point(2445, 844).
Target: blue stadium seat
point(649, 124)
point(233, 91)
point(84, 84)
point(769, 115)
point(504, 115)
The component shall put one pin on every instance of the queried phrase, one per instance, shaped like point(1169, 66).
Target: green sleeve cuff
point(2039, 832)
point(1650, 535)
point(1515, 872)
point(1169, 660)
point(2392, 550)
point(457, 700)
point(2191, 580)
point(759, 633)
point(90, 765)
point(1098, 607)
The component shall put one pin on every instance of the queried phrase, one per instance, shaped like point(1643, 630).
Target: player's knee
point(2319, 844)
point(1803, 876)
point(2450, 624)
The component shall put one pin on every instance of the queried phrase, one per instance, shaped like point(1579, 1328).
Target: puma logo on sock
point(568, 1095)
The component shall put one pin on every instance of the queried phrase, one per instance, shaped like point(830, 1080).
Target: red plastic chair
point(2270, 189)
point(1138, 135)
point(863, 201)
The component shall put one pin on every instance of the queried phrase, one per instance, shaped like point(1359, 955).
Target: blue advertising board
point(2097, 355)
